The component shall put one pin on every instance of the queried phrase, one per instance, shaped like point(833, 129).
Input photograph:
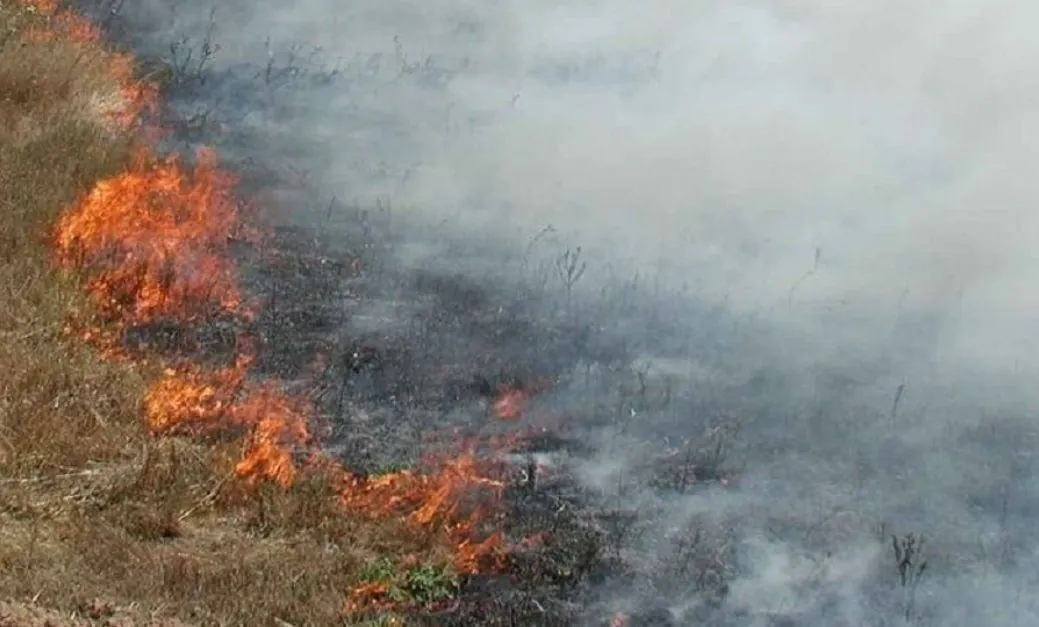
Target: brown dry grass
point(100, 524)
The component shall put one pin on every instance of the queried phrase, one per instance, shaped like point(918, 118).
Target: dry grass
point(100, 524)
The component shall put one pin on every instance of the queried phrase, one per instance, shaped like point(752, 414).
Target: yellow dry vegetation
point(99, 522)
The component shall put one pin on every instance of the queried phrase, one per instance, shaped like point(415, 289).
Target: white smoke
point(855, 175)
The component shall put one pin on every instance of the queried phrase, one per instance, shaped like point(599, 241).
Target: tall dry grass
point(99, 523)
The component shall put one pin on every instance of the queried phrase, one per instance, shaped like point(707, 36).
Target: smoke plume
point(828, 207)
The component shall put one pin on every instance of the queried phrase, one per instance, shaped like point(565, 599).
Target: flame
point(191, 400)
point(63, 26)
point(368, 597)
point(456, 496)
point(620, 619)
point(510, 403)
point(195, 401)
point(43, 7)
point(135, 98)
point(154, 243)
point(280, 431)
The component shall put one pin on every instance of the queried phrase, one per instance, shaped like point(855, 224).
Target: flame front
point(153, 244)
point(457, 496)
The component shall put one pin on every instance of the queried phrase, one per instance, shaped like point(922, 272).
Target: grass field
point(101, 523)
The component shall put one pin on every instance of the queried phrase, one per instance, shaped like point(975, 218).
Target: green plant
point(423, 584)
point(429, 584)
point(381, 570)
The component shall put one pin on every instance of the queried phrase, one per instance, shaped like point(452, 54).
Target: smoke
point(833, 202)
point(787, 158)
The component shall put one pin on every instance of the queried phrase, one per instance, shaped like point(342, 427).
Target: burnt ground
point(402, 360)
point(409, 355)
point(401, 356)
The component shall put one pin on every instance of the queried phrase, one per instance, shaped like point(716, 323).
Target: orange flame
point(280, 431)
point(510, 403)
point(191, 399)
point(455, 497)
point(154, 243)
point(64, 26)
point(369, 596)
point(43, 7)
point(136, 97)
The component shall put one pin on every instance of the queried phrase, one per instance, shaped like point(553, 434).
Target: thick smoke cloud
point(882, 150)
point(853, 177)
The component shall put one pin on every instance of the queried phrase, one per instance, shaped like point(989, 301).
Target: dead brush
point(910, 566)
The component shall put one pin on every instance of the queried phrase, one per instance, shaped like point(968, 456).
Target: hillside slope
point(101, 523)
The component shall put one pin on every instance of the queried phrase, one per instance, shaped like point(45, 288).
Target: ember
point(509, 404)
point(620, 619)
point(511, 400)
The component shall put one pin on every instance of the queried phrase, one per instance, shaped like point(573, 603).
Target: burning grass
point(101, 519)
point(141, 484)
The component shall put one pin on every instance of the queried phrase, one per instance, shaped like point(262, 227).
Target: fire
point(510, 403)
point(154, 244)
point(456, 497)
point(64, 26)
point(135, 98)
point(191, 400)
point(43, 7)
point(369, 596)
point(194, 401)
point(620, 619)
point(280, 431)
